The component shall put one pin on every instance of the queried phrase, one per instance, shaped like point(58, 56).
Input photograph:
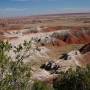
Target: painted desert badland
point(58, 42)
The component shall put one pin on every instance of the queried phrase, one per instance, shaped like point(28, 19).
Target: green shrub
point(38, 85)
point(74, 80)
point(14, 75)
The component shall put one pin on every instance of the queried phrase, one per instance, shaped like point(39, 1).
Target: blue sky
point(35, 7)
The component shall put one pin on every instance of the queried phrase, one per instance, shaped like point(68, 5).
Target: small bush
point(14, 75)
point(73, 80)
point(38, 85)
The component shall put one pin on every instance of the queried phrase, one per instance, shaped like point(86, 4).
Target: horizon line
point(62, 13)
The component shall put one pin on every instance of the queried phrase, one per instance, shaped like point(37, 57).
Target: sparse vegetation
point(74, 80)
point(70, 80)
point(38, 85)
point(15, 75)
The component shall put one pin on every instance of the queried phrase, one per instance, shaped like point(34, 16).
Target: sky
point(37, 7)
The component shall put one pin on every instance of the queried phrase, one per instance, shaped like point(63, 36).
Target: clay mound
point(73, 37)
point(82, 37)
point(58, 38)
point(86, 59)
point(60, 43)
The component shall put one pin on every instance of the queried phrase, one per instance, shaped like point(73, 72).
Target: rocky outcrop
point(50, 70)
point(85, 48)
point(50, 66)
